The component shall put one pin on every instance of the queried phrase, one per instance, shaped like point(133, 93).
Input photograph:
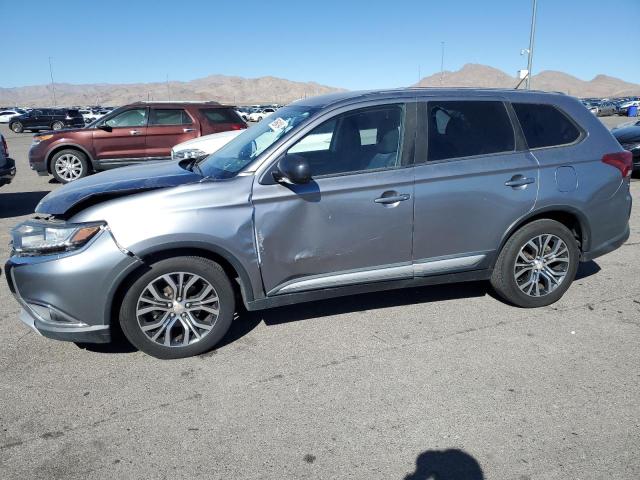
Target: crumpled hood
point(137, 178)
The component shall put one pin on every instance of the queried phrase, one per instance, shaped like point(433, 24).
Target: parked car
point(415, 187)
point(136, 133)
point(605, 109)
point(259, 115)
point(6, 115)
point(47, 119)
point(202, 146)
point(623, 108)
point(7, 165)
point(629, 138)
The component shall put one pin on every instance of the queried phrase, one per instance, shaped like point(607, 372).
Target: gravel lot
point(372, 386)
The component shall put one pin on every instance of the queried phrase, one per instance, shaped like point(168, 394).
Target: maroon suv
point(135, 133)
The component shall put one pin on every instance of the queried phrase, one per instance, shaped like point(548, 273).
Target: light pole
point(442, 63)
point(531, 39)
point(53, 87)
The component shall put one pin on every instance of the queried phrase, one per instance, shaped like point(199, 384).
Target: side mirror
point(105, 127)
point(293, 169)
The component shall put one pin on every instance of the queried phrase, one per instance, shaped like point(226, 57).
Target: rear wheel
point(537, 264)
point(180, 307)
point(69, 165)
point(17, 127)
point(57, 126)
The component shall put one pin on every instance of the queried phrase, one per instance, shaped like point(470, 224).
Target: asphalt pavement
point(379, 386)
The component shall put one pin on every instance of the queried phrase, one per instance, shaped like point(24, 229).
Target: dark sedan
point(629, 138)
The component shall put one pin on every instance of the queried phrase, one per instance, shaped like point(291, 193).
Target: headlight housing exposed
point(41, 237)
point(187, 153)
point(40, 138)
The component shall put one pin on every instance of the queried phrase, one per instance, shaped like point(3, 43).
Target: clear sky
point(347, 43)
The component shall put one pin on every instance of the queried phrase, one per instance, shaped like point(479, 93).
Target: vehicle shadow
point(19, 203)
point(452, 464)
point(246, 321)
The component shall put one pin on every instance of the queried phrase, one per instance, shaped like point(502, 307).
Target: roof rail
point(178, 101)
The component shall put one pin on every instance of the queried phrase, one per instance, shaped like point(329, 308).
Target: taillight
point(623, 161)
point(4, 145)
point(238, 126)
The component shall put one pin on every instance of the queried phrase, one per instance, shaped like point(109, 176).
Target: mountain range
point(221, 88)
point(244, 91)
point(474, 75)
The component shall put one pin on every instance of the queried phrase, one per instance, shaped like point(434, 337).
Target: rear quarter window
point(221, 115)
point(545, 125)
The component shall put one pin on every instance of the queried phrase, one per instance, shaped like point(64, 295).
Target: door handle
point(134, 132)
point(187, 130)
point(519, 181)
point(393, 198)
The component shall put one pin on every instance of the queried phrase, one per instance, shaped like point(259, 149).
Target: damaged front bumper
point(69, 296)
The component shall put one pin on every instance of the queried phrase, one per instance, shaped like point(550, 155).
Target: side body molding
point(383, 273)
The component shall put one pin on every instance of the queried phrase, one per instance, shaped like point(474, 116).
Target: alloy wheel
point(69, 167)
point(541, 265)
point(177, 309)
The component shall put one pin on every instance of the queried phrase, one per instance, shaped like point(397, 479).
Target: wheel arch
point(66, 146)
point(237, 274)
point(570, 217)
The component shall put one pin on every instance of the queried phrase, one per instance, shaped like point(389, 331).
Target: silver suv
point(335, 195)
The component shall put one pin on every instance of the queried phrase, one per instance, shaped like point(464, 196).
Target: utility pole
point(531, 39)
point(442, 63)
point(168, 88)
point(53, 87)
point(419, 74)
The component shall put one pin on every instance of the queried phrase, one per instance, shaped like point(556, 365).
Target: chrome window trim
point(421, 268)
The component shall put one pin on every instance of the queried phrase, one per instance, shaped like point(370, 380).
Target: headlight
point(41, 138)
point(33, 237)
point(631, 146)
point(187, 153)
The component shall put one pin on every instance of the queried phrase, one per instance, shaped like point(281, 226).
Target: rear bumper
point(69, 296)
point(7, 172)
point(606, 247)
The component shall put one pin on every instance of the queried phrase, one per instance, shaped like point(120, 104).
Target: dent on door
point(334, 227)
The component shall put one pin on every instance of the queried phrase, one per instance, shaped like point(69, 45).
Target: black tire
point(57, 126)
point(16, 127)
point(207, 270)
point(82, 161)
point(503, 277)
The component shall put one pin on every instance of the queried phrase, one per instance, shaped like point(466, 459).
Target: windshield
point(247, 146)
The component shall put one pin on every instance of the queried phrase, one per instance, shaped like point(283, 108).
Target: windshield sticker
point(278, 124)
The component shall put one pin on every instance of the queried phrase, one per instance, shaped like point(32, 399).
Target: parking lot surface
point(384, 385)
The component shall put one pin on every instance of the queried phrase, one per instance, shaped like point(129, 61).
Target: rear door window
point(169, 116)
point(129, 118)
point(545, 125)
point(221, 115)
point(468, 128)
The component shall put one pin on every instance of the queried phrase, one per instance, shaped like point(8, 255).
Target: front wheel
point(17, 127)
point(537, 264)
point(69, 165)
point(180, 307)
point(57, 126)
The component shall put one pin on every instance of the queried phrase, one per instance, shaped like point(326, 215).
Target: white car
point(6, 115)
point(261, 114)
point(205, 145)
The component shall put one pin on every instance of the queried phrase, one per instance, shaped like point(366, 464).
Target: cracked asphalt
point(385, 385)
